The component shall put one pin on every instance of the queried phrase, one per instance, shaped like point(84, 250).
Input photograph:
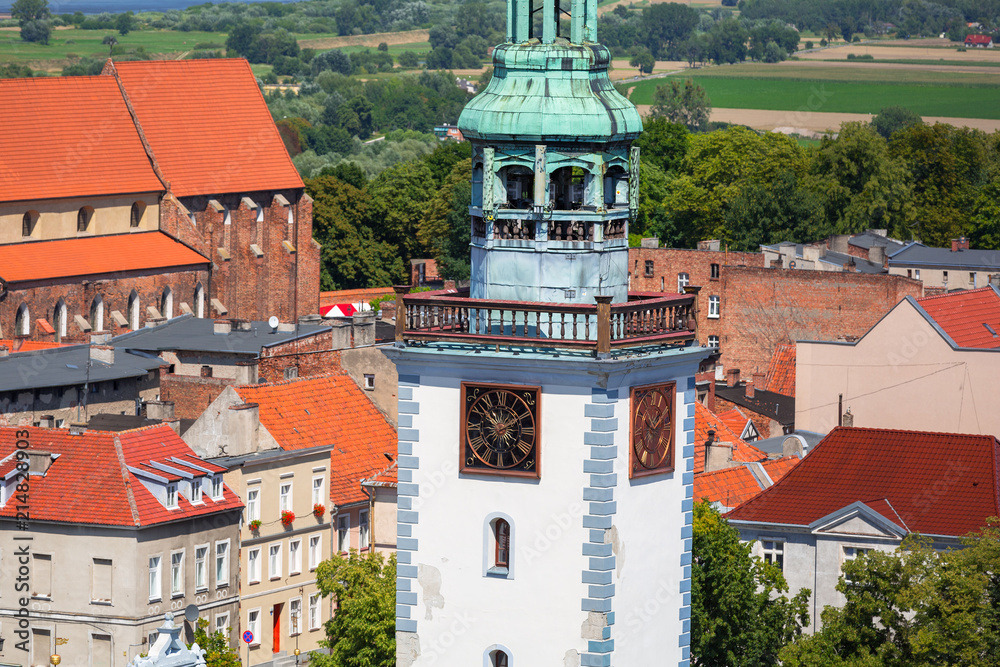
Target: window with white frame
point(171, 496)
point(155, 585)
point(294, 616)
point(253, 625)
point(294, 556)
point(713, 341)
point(683, 280)
point(222, 564)
point(253, 565)
point(343, 533)
point(317, 491)
point(222, 623)
point(773, 552)
point(315, 615)
point(315, 551)
point(285, 497)
point(274, 561)
point(363, 529)
point(713, 306)
point(217, 487)
point(253, 506)
point(850, 553)
point(201, 567)
point(177, 573)
point(196, 491)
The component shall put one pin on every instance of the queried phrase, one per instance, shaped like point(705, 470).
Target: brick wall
point(667, 263)
point(761, 308)
point(190, 394)
point(114, 290)
point(310, 356)
point(253, 283)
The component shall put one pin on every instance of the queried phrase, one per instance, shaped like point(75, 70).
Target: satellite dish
point(273, 322)
point(191, 613)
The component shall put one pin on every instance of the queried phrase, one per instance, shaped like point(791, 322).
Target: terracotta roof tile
point(734, 486)
point(327, 410)
point(69, 137)
point(937, 483)
point(781, 371)
point(705, 419)
point(29, 345)
point(965, 315)
point(90, 462)
point(353, 295)
point(208, 126)
point(94, 255)
point(734, 419)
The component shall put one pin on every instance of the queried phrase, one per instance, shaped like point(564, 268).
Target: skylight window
point(990, 329)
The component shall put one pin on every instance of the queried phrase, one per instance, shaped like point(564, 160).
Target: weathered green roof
point(550, 93)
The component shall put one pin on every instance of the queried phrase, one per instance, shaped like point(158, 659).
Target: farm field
point(783, 88)
point(64, 44)
point(324, 42)
point(420, 48)
point(620, 69)
point(902, 50)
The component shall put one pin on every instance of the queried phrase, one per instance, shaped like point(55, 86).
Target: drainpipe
point(371, 517)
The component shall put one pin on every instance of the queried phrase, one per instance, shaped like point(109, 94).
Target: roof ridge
point(127, 479)
point(956, 293)
point(109, 67)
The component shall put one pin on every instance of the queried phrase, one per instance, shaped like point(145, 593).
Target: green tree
point(36, 31)
point(664, 143)
point(643, 60)
point(399, 196)
point(782, 210)
point(892, 119)
point(241, 37)
point(362, 632)
point(686, 104)
point(984, 231)
point(218, 653)
point(445, 228)
point(728, 42)
point(739, 615)
point(125, 23)
point(408, 59)
point(665, 26)
point(24, 11)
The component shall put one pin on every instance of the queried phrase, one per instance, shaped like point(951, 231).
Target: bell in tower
point(546, 414)
point(555, 178)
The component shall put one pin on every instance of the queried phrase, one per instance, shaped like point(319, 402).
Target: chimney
point(341, 334)
point(154, 322)
point(364, 328)
point(286, 327)
point(749, 389)
point(175, 424)
point(650, 243)
point(710, 401)
point(791, 446)
point(103, 353)
point(4, 351)
point(47, 421)
point(38, 462)
point(100, 338)
point(718, 455)
point(732, 377)
point(222, 327)
point(777, 263)
point(241, 325)
point(160, 410)
point(450, 285)
point(77, 429)
point(961, 243)
point(847, 419)
point(244, 426)
point(876, 255)
point(246, 371)
point(206, 371)
point(839, 243)
point(759, 380)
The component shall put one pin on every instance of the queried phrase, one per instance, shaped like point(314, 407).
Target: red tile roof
point(938, 483)
point(94, 255)
point(705, 419)
point(964, 316)
point(28, 345)
point(90, 481)
point(327, 410)
point(69, 137)
point(353, 295)
point(734, 419)
point(978, 39)
point(781, 371)
point(734, 486)
point(208, 126)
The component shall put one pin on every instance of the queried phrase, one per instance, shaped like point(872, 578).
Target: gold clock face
point(652, 429)
point(500, 429)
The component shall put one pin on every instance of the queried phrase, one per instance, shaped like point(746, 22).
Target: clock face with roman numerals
point(652, 430)
point(500, 429)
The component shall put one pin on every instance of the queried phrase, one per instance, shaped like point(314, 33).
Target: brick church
point(155, 189)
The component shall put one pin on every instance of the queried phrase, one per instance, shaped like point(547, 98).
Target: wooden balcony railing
point(647, 318)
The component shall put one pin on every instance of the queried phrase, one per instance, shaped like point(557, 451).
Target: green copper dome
point(557, 92)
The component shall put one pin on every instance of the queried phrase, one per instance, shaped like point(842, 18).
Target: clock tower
point(546, 414)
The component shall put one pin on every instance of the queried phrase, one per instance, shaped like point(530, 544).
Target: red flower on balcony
point(255, 525)
point(319, 510)
point(287, 517)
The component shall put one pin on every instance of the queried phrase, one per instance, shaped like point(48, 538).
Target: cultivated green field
point(420, 48)
point(959, 101)
point(67, 43)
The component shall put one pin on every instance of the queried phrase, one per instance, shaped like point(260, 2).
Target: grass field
point(420, 48)
point(862, 72)
point(942, 61)
point(926, 99)
point(64, 44)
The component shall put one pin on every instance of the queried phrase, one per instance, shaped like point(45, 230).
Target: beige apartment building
point(121, 529)
point(302, 447)
point(930, 364)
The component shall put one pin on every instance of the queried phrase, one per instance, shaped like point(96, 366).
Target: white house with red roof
point(862, 489)
point(313, 459)
point(979, 41)
point(929, 364)
point(115, 529)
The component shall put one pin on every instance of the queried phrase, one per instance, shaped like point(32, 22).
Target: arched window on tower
point(499, 658)
point(60, 317)
point(616, 188)
point(83, 218)
point(22, 321)
point(498, 546)
point(167, 303)
point(501, 534)
point(28, 223)
point(97, 314)
point(135, 217)
point(519, 182)
point(567, 188)
point(133, 310)
point(199, 300)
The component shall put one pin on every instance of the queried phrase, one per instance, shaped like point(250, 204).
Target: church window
point(22, 321)
point(498, 546)
point(499, 658)
point(83, 218)
point(501, 531)
point(135, 216)
point(97, 314)
point(167, 303)
point(28, 223)
point(133, 310)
